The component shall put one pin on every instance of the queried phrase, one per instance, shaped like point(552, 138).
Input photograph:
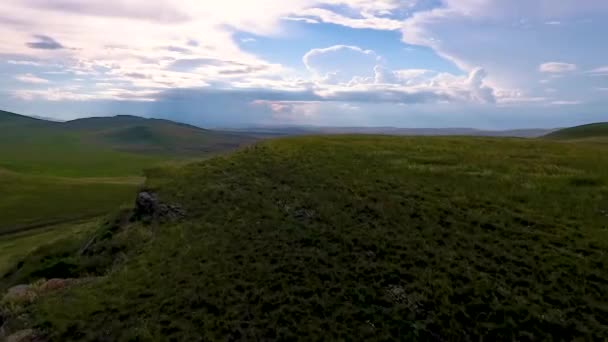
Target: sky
point(488, 64)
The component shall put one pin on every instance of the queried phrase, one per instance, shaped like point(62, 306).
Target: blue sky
point(491, 64)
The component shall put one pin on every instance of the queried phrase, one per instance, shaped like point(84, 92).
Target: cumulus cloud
point(557, 67)
point(311, 56)
point(168, 52)
point(510, 38)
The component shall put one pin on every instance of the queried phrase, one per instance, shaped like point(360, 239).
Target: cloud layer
point(527, 55)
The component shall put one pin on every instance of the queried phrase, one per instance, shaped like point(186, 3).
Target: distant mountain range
point(304, 130)
point(133, 133)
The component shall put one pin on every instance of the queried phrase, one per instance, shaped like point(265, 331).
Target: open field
point(34, 201)
point(351, 238)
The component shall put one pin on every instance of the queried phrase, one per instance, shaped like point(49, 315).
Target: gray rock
point(18, 292)
point(27, 335)
point(148, 207)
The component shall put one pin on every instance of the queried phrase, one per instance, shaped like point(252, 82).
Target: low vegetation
point(591, 131)
point(54, 172)
point(348, 238)
point(15, 247)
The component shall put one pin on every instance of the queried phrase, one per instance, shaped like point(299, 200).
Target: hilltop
point(344, 238)
point(590, 131)
point(136, 134)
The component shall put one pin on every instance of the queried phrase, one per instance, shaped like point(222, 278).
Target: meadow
point(53, 173)
point(349, 238)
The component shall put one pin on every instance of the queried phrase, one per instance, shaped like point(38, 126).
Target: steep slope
point(354, 238)
point(595, 130)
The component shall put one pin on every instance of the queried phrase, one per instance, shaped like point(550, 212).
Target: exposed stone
point(146, 205)
point(19, 293)
point(56, 284)
point(27, 335)
point(149, 207)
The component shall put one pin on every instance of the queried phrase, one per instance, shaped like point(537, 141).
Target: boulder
point(19, 293)
point(148, 207)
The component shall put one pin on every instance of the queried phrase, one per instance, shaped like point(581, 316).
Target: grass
point(57, 172)
point(362, 238)
point(34, 201)
point(17, 246)
point(66, 157)
point(595, 130)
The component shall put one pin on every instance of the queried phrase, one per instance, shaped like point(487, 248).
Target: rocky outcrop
point(27, 335)
point(149, 208)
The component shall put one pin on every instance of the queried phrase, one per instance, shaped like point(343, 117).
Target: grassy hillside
point(54, 172)
point(135, 134)
point(596, 130)
point(354, 238)
point(16, 246)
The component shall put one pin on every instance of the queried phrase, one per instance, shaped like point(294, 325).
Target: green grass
point(31, 201)
point(363, 238)
point(595, 130)
point(54, 172)
point(65, 157)
point(17, 246)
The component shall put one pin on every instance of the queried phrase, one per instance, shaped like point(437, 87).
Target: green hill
point(135, 134)
point(345, 238)
point(52, 171)
point(595, 130)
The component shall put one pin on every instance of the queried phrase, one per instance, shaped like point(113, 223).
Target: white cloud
point(599, 71)
point(324, 15)
point(565, 103)
point(312, 54)
point(557, 67)
point(29, 78)
point(77, 94)
point(340, 63)
point(28, 63)
point(510, 40)
point(135, 49)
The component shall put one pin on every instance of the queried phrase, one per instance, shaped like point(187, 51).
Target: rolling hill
point(56, 171)
point(343, 238)
point(135, 134)
point(590, 131)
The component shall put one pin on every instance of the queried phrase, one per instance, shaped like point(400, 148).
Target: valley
point(337, 237)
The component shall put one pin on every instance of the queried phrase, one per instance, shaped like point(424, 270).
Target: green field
point(352, 238)
point(59, 172)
